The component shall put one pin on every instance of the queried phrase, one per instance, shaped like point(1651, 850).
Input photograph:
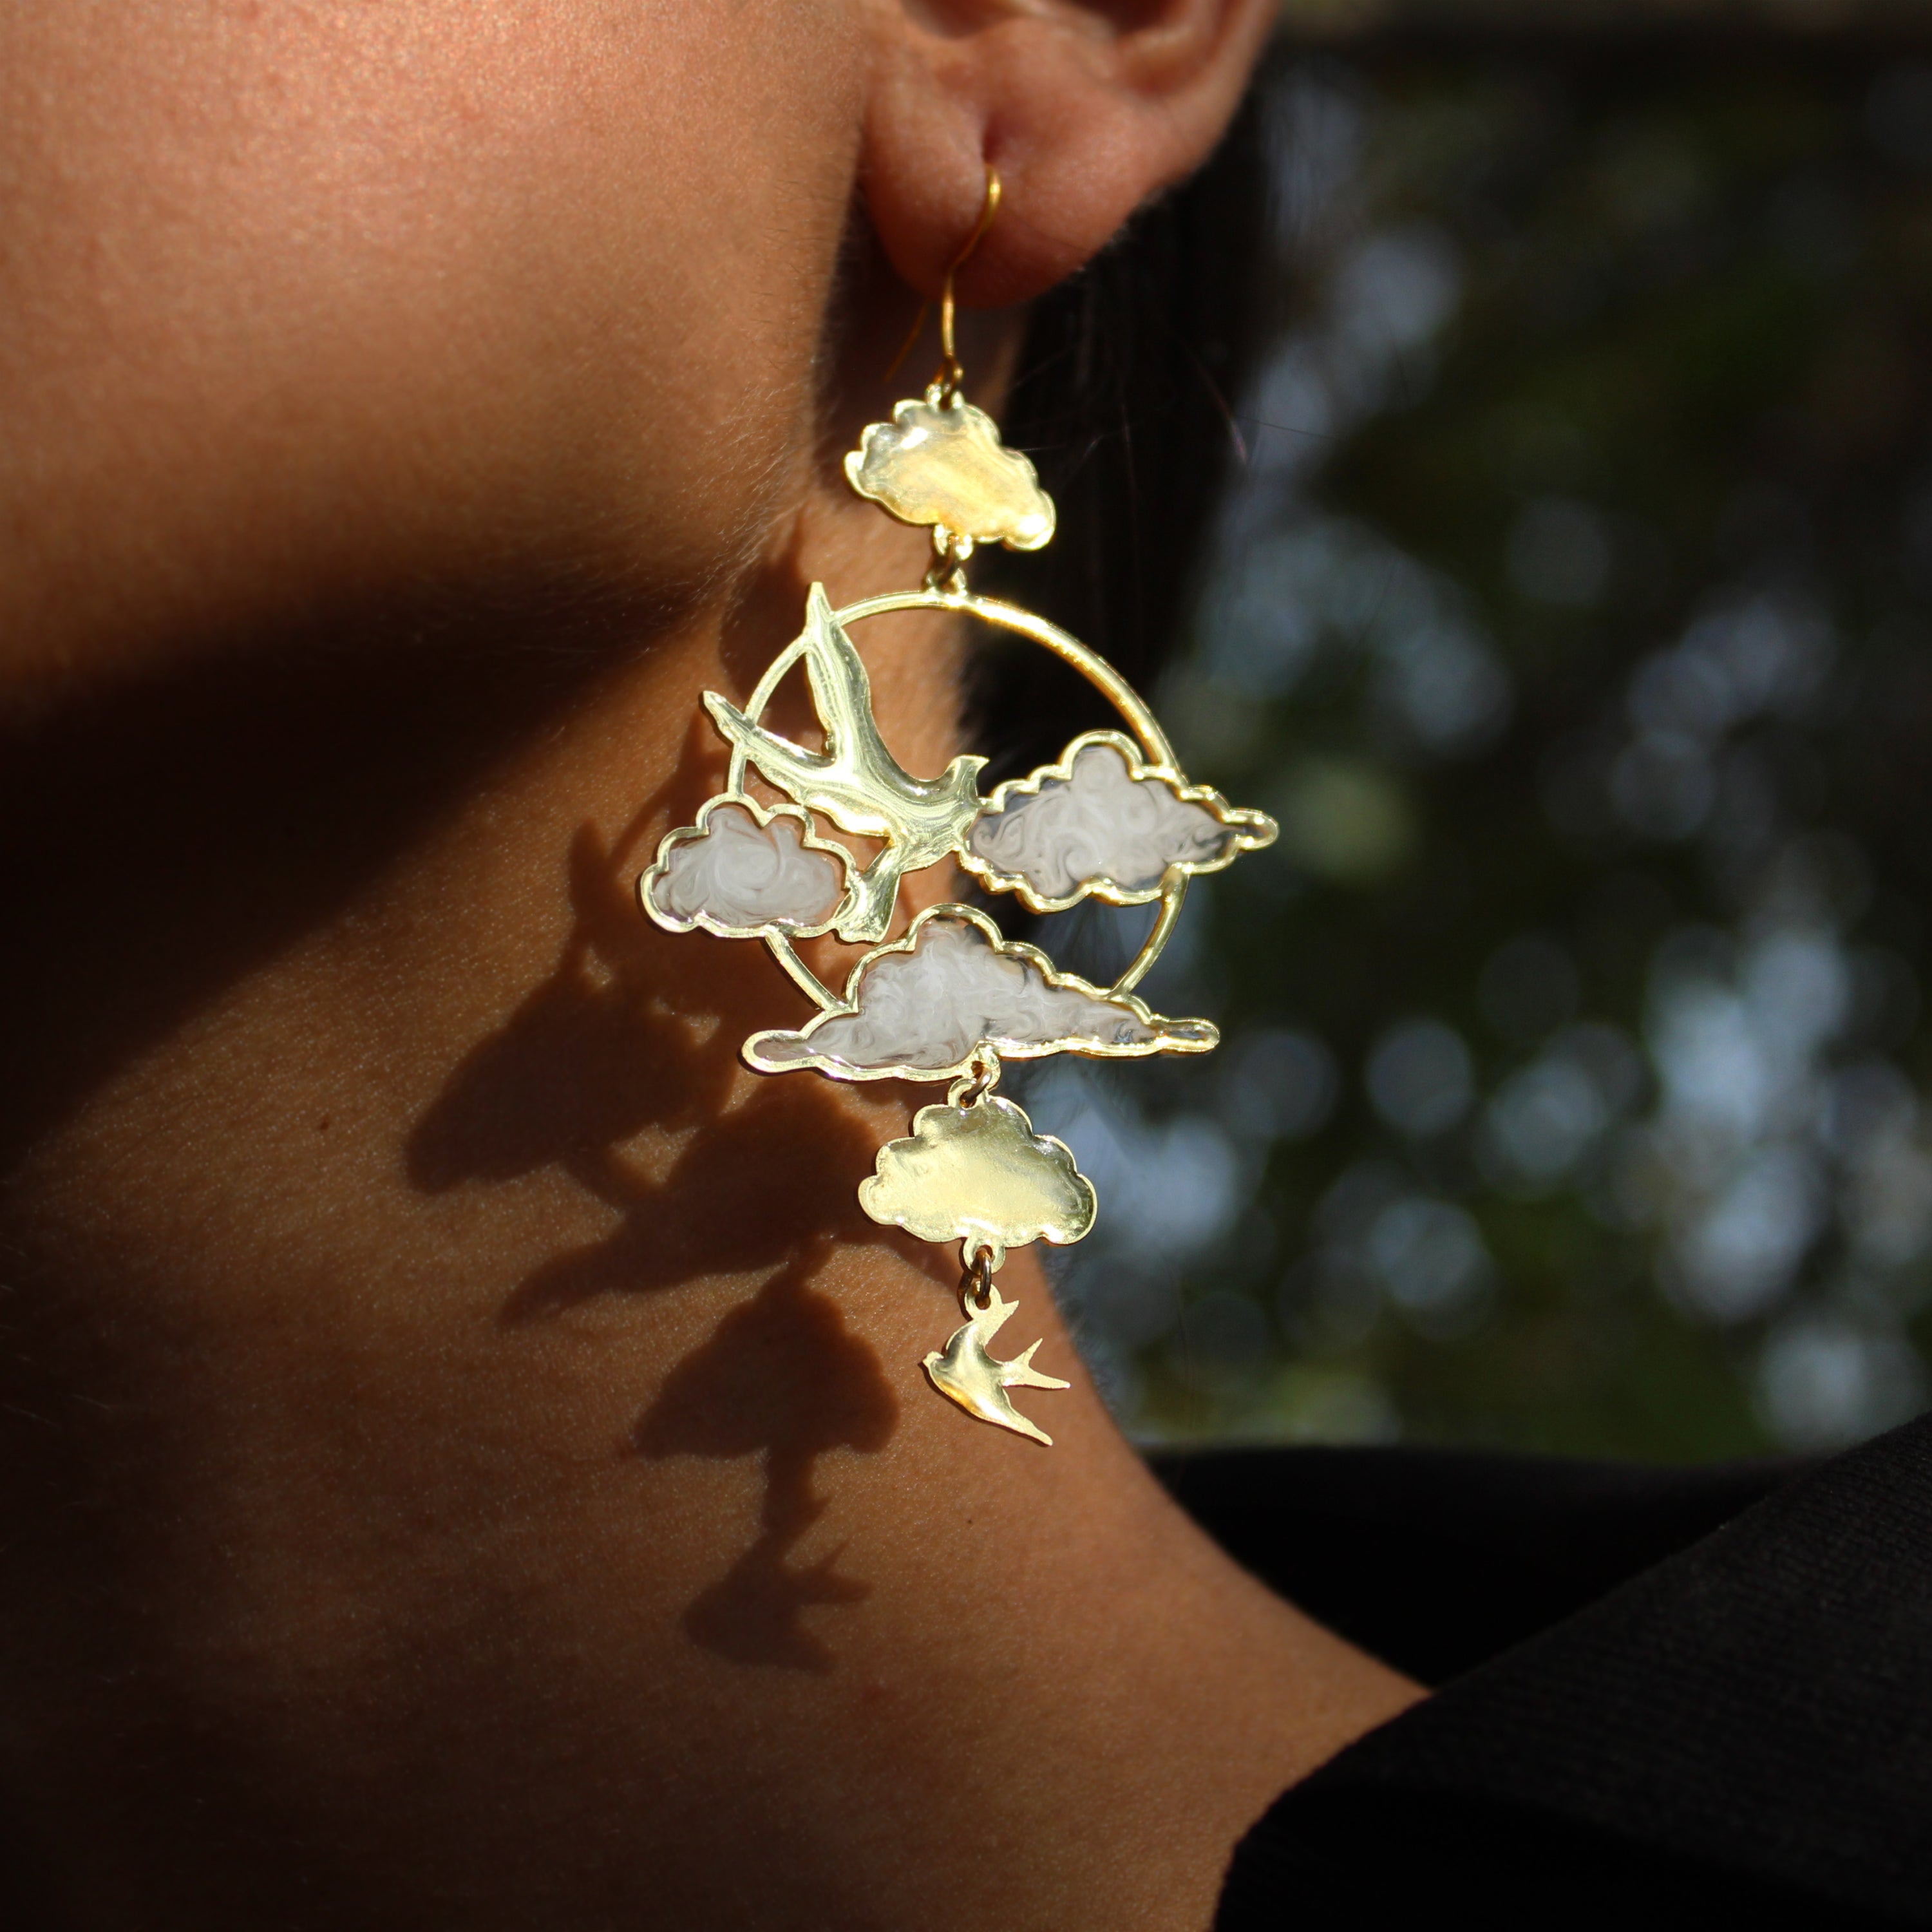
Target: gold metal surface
point(950, 374)
point(855, 781)
point(941, 465)
point(980, 1175)
point(801, 975)
point(963, 1372)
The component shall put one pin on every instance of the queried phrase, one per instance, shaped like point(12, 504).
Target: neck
point(446, 1388)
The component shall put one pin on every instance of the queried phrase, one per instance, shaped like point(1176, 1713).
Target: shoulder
point(1733, 1710)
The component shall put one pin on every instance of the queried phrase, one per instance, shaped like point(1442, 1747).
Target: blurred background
point(1572, 613)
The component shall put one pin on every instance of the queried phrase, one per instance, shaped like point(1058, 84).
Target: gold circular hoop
point(1097, 671)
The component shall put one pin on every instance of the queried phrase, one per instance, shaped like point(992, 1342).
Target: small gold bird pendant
point(950, 998)
point(963, 1372)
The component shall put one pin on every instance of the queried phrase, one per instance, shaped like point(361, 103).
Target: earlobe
point(1087, 109)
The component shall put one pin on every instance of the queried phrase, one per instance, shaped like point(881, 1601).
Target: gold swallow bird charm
point(855, 782)
point(965, 1373)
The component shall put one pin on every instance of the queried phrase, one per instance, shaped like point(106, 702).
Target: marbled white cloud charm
point(743, 871)
point(1102, 821)
point(927, 1007)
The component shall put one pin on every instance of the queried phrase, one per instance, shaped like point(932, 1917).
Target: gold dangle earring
point(951, 999)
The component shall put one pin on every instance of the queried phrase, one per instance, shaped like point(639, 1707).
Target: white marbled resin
point(1102, 824)
point(929, 1008)
point(739, 873)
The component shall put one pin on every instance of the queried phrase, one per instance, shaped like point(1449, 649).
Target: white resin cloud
point(742, 871)
point(921, 1008)
point(1104, 821)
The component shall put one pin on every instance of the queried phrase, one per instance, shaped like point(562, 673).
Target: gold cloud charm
point(942, 465)
point(980, 1175)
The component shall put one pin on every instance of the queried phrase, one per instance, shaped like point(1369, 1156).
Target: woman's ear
point(1086, 107)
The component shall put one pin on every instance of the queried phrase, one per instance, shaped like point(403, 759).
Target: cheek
point(302, 298)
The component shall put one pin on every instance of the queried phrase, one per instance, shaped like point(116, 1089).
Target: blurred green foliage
point(1572, 616)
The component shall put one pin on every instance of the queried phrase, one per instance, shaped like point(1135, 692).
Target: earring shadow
point(625, 1034)
point(782, 1378)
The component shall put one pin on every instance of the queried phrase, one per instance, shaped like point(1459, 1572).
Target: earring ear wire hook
point(950, 375)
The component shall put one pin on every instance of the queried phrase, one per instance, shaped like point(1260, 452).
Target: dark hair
point(1124, 399)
